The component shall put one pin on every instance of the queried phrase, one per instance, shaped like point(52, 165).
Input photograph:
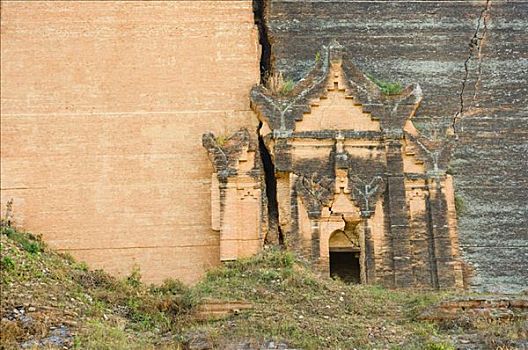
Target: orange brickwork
point(103, 109)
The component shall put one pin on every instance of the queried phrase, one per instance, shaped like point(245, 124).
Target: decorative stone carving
point(226, 153)
point(317, 192)
point(366, 193)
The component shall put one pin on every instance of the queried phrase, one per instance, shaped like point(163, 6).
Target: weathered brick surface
point(428, 42)
point(103, 109)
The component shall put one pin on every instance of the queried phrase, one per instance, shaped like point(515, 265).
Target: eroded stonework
point(236, 194)
point(361, 192)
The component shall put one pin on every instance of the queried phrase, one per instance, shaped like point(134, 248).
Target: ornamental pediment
point(335, 95)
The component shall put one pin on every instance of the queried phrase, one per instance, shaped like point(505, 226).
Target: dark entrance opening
point(345, 266)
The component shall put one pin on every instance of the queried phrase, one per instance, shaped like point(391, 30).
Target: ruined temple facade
point(104, 105)
point(360, 192)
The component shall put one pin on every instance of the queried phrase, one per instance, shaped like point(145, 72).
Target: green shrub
point(7, 263)
point(287, 87)
point(29, 242)
point(439, 346)
point(171, 286)
point(8, 231)
point(82, 266)
point(387, 88)
point(31, 247)
point(134, 279)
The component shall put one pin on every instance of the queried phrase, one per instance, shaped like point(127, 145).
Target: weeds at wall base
point(291, 304)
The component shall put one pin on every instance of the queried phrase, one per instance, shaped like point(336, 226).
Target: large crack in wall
point(475, 51)
point(260, 8)
point(274, 230)
point(275, 235)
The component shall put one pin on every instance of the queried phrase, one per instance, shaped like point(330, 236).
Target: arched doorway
point(345, 256)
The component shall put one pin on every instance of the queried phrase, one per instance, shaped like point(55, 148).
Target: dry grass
point(44, 291)
point(278, 85)
point(291, 304)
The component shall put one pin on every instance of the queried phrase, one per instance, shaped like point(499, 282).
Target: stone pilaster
point(443, 250)
point(398, 215)
point(370, 265)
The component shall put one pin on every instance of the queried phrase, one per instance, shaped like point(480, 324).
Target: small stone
point(32, 309)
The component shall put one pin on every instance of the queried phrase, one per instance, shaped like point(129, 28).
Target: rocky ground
point(272, 301)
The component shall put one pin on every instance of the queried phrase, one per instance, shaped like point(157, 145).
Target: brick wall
point(103, 108)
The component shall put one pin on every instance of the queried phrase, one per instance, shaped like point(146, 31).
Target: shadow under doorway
point(345, 266)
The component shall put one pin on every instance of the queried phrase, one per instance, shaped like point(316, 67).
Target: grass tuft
point(7, 263)
point(221, 140)
point(28, 241)
point(460, 205)
point(278, 85)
